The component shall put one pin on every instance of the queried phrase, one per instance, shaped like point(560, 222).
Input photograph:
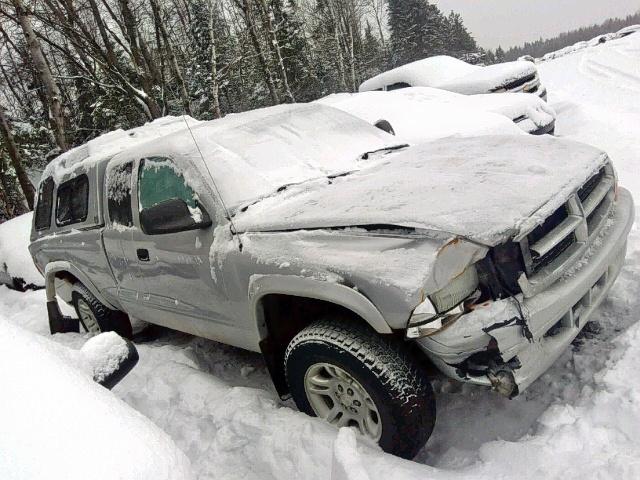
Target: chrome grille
point(551, 248)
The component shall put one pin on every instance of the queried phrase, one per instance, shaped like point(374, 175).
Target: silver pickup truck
point(354, 263)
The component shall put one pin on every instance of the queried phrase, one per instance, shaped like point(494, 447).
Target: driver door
point(172, 246)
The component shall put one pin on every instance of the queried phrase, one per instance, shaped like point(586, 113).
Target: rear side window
point(45, 204)
point(119, 195)
point(73, 201)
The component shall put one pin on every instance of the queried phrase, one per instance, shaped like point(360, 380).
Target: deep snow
point(579, 420)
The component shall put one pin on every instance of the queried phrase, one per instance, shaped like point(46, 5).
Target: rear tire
point(96, 317)
point(328, 358)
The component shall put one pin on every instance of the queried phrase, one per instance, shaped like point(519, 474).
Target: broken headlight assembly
point(445, 306)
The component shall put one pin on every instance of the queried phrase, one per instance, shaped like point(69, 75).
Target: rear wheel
point(351, 376)
point(96, 317)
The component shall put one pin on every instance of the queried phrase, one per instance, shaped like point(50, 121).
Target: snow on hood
point(417, 120)
point(485, 189)
point(487, 79)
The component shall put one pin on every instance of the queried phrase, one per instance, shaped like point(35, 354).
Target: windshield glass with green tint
point(159, 180)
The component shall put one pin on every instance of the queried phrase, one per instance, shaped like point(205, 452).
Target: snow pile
point(15, 258)
point(449, 73)
point(57, 424)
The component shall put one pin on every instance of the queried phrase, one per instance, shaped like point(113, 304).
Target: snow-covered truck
point(356, 265)
point(448, 73)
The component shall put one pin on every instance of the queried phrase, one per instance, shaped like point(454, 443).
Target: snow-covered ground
point(580, 420)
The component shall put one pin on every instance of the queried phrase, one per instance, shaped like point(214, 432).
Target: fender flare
point(336, 293)
point(63, 266)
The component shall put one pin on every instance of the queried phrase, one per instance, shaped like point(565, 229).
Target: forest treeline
point(541, 47)
point(73, 69)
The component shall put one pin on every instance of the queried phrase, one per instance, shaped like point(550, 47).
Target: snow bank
point(15, 258)
point(58, 424)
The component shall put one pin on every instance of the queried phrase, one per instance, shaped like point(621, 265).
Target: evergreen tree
point(418, 30)
point(459, 40)
point(500, 57)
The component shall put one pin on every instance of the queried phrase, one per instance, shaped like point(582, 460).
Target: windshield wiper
point(366, 155)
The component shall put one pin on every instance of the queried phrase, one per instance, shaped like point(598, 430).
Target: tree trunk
point(27, 187)
point(215, 85)
point(172, 57)
point(245, 6)
point(275, 44)
point(54, 107)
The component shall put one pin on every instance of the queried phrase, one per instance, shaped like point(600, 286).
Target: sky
point(513, 22)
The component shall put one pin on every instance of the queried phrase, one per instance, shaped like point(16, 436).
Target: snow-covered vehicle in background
point(16, 265)
point(626, 31)
point(59, 423)
point(416, 121)
point(448, 73)
point(349, 260)
point(434, 113)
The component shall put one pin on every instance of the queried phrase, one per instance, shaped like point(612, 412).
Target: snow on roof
point(419, 119)
point(252, 154)
point(451, 74)
point(482, 188)
point(109, 144)
point(426, 72)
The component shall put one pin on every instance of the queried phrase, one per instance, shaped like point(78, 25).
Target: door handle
point(143, 254)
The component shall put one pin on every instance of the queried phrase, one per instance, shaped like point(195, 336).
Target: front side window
point(45, 204)
point(159, 181)
point(167, 203)
point(73, 201)
point(119, 195)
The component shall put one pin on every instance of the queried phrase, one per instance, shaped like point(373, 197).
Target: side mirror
point(173, 215)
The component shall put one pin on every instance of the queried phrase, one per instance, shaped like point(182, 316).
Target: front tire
point(96, 317)
point(351, 376)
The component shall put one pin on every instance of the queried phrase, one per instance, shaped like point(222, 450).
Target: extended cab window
point(167, 203)
point(119, 194)
point(73, 201)
point(45, 204)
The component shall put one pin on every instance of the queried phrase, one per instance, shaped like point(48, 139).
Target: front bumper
point(488, 337)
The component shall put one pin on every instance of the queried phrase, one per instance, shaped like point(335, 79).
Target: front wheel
point(351, 376)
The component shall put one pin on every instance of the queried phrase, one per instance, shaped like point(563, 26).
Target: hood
point(486, 189)
point(488, 79)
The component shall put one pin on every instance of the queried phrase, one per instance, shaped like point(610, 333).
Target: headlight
point(443, 307)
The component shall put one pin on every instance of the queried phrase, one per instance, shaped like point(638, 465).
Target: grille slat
point(569, 224)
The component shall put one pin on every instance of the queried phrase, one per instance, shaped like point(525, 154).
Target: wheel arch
point(300, 301)
point(65, 270)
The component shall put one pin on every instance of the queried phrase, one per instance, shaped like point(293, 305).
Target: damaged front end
point(509, 316)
